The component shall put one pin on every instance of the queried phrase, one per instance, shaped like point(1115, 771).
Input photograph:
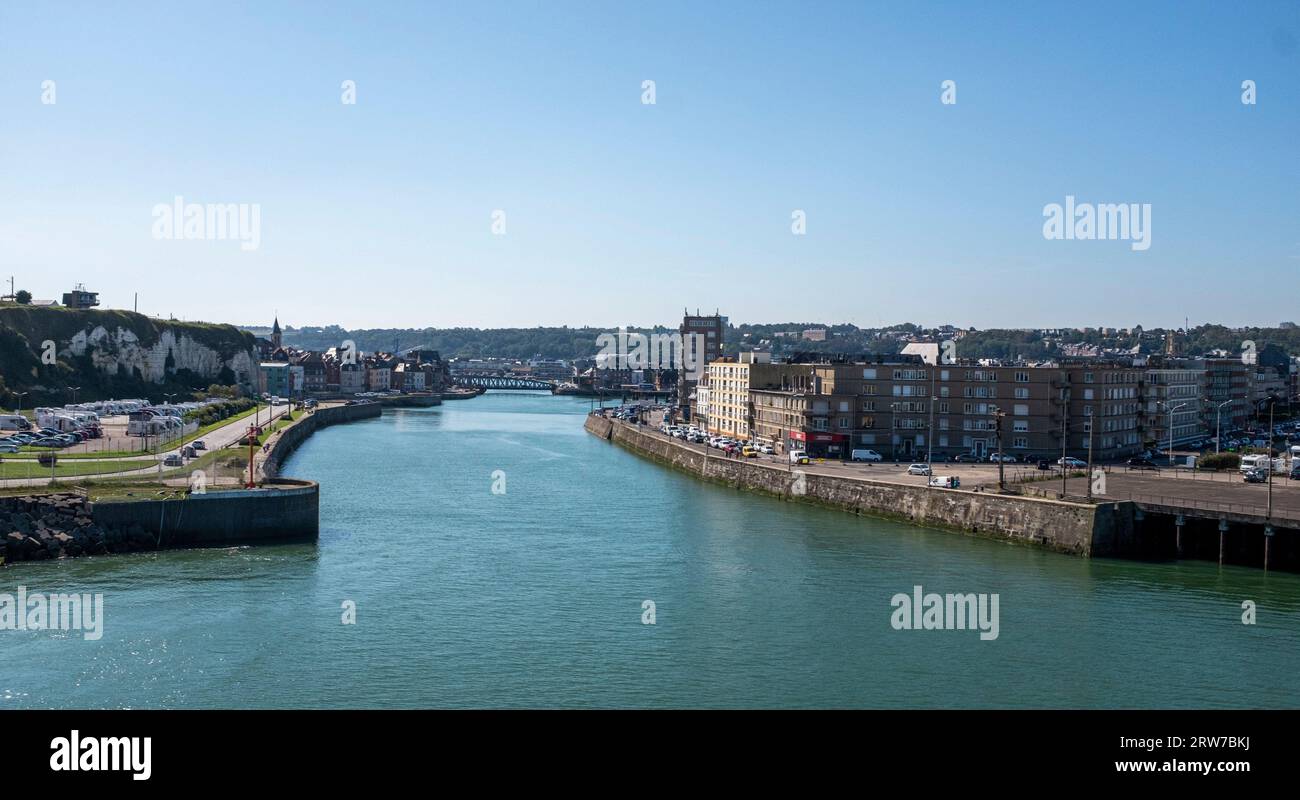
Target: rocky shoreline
point(39, 527)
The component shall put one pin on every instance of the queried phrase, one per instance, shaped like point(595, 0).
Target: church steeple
point(276, 335)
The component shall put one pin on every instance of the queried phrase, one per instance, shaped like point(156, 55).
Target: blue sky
point(378, 214)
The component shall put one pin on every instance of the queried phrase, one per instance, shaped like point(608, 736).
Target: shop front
point(820, 445)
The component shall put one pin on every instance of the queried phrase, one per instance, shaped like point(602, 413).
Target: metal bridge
point(505, 382)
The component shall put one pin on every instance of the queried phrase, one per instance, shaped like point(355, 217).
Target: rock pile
point(60, 526)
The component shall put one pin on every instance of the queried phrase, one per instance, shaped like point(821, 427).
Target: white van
point(798, 457)
point(946, 482)
point(865, 455)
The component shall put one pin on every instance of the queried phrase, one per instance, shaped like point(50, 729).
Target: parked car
point(749, 452)
point(966, 458)
point(798, 457)
point(1142, 463)
point(1072, 463)
point(919, 469)
point(1044, 464)
point(766, 449)
point(1005, 458)
point(1294, 474)
point(199, 444)
point(172, 460)
point(6, 447)
point(865, 455)
point(1255, 476)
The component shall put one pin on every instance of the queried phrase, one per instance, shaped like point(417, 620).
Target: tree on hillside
point(23, 297)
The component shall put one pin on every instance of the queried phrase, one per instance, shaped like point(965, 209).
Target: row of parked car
point(49, 437)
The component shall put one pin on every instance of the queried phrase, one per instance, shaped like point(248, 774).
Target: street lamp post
point(1092, 424)
point(159, 452)
point(1171, 409)
point(998, 414)
point(1065, 433)
point(929, 431)
point(1268, 517)
point(1218, 425)
point(893, 422)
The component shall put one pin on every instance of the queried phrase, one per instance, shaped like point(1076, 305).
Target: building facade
point(712, 331)
point(906, 409)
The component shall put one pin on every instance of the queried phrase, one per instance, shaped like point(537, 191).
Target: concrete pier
point(1077, 528)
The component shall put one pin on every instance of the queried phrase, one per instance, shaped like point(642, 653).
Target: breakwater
point(1076, 528)
point(64, 525)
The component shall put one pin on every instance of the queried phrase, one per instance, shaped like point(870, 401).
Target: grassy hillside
point(24, 328)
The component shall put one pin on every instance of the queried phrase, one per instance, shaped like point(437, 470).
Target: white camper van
point(1262, 463)
point(14, 422)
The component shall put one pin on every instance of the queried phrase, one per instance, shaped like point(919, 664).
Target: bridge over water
point(505, 382)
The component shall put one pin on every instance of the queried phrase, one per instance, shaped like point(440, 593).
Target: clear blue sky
point(379, 214)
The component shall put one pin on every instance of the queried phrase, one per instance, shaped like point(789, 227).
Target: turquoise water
point(466, 598)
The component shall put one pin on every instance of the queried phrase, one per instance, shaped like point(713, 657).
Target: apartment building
point(904, 408)
point(1175, 389)
point(1226, 404)
point(825, 407)
point(1043, 410)
point(729, 383)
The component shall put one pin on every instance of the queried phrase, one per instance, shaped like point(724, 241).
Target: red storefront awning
point(801, 436)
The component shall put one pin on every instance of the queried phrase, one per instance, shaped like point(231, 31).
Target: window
point(1022, 393)
point(1020, 425)
point(1020, 442)
point(943, 374)
point(869, 374)
point(1022, 409)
